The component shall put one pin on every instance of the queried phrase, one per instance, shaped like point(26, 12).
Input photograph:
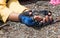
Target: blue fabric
point(27, 20)
point(44, 12)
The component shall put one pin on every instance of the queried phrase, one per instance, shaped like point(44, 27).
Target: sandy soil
point(18, 30)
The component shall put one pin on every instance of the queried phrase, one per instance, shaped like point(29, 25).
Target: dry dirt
point(18, 30)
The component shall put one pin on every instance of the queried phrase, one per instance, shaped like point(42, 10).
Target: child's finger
point(47, 18)
point(44, 19)
point(51, 18)
point(38, 18)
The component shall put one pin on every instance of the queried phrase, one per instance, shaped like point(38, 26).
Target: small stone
point(1, 32)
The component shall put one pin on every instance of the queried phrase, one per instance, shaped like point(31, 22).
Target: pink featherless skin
point(55, 2)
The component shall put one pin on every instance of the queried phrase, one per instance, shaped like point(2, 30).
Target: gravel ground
point(18, 30)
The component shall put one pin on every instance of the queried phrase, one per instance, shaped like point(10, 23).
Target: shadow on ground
point(25, 2)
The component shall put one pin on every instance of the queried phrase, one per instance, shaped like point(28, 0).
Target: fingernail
point(49, 14)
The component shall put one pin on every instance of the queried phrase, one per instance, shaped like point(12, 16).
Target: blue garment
point(27, 20)
point(45, 12)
